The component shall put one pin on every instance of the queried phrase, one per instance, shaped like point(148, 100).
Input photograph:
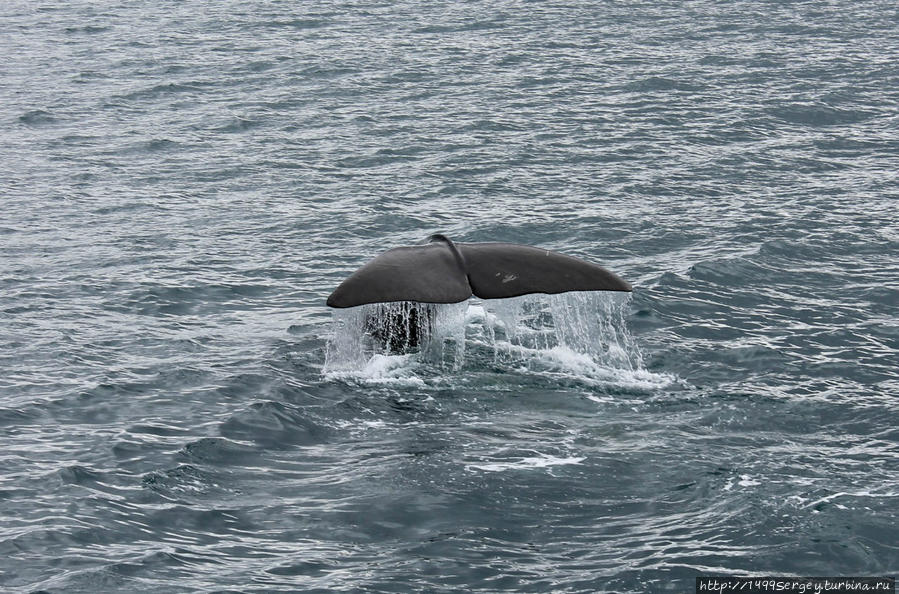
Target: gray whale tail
point(442, 271)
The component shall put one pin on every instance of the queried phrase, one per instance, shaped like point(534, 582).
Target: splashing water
point(591, 324)
point(578, 330)
point(359, 335)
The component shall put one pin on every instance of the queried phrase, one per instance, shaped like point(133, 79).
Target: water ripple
point(184, 184)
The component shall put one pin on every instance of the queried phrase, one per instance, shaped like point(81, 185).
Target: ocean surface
point(182, 184)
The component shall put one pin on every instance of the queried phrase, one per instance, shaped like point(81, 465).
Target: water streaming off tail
point(590, 326)
point(359, 335)
point(586, 327)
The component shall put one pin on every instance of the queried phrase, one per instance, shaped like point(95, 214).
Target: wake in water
point(580, 334)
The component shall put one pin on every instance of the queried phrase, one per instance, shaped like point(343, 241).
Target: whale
point(442, 271)
point(403, 286)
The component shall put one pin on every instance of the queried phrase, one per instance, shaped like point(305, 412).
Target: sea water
point(182, 184)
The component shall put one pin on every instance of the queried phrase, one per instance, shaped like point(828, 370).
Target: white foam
point(747, 481)
point(573, 336)
point(382, 369)
point(865, 493)
point(526, 463)
point(583, 367)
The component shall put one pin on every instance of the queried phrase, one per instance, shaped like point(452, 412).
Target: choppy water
point(183, 183)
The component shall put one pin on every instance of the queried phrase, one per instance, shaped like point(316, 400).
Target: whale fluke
point(445, 272)
point(498, 270)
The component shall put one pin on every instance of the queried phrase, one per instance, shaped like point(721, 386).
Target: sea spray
point(346, 349)
point(434, 332)
point(528, 331)
point(446, 339)
point(590, 324)
point(595, 324)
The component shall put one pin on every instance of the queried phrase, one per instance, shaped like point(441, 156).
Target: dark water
point(183, 183)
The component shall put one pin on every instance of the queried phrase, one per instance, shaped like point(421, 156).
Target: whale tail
point(442, 271)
